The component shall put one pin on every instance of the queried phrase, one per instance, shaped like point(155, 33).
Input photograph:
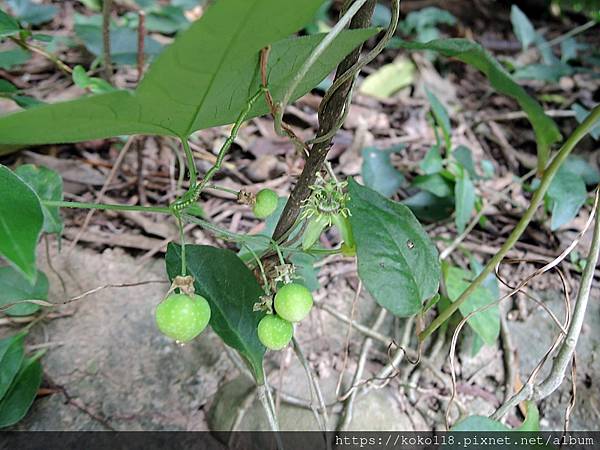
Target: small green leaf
point(378, 172)
point(441, 117)
point(389, 79)
point(21, 221)
point(464, 195)
point(485, 323)
point(565, 196)
point(8, 25)
point(396, 259)
point(11, 356)
point(546, 131)
point(231, 290)
point(433, 162)
point(522, 27)
point(14, 288)
point(464, 157)
point(48, 185)
point(95, 85)
point(580, 114)
point(429, 207)
point(21, 394)
point(305, 270)
point(434, 183)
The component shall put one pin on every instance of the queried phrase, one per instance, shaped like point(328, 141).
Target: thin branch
point(106, 10)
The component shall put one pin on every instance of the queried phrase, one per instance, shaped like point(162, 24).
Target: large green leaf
point(396, 259)
point(11, 356)
point(21, 221)
point(485, 323)
point(14, 288)
point(231, 290)
point(203, 79)
point(48, 185)
point(21, 395)
point(546, 131)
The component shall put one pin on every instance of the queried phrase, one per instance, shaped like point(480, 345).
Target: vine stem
point(536, 201)
point(190, 161)
point(106, 206)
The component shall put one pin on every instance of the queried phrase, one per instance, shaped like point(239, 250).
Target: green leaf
point(434, 183)
point(378, 173)
point(565, 196)
point(203, 79)
point(11, 58)
point(441, 117)
point(8, 25)
point(426, 18)
point(305, 270)
point(429, 207)
point(22, 393)
point(464, 157)
point(389, 79)
point(6, 87)
point(579, 166)
point(479, 423)
point(522, 27)
point(32, 13)
point(231, 290)
point(21, 221)
point(546, 131)
point(485, 323)
point(48, 185)
point(433, 162)
point(396, 259)
point(14, 288)
point(532, 419)
point(580, 114)
point(11, 356)
point(464, 196)
point(95, 85)
point(543, 72)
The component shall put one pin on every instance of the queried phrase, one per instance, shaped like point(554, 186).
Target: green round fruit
point(293, 302)
point(266, 203)
point(274, 332)
point(182, 317)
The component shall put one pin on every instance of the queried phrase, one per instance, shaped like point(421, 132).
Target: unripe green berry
point(266, 203)
point(293, 302)
point(275, 332)
point(182, 317)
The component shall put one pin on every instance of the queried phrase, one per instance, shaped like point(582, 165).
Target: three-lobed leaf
point(21, 221)
point(203, 79)
point(397, 261)
point(231, 290)
point(545, 129)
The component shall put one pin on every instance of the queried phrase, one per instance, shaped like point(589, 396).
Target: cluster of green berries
point(292, 304)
